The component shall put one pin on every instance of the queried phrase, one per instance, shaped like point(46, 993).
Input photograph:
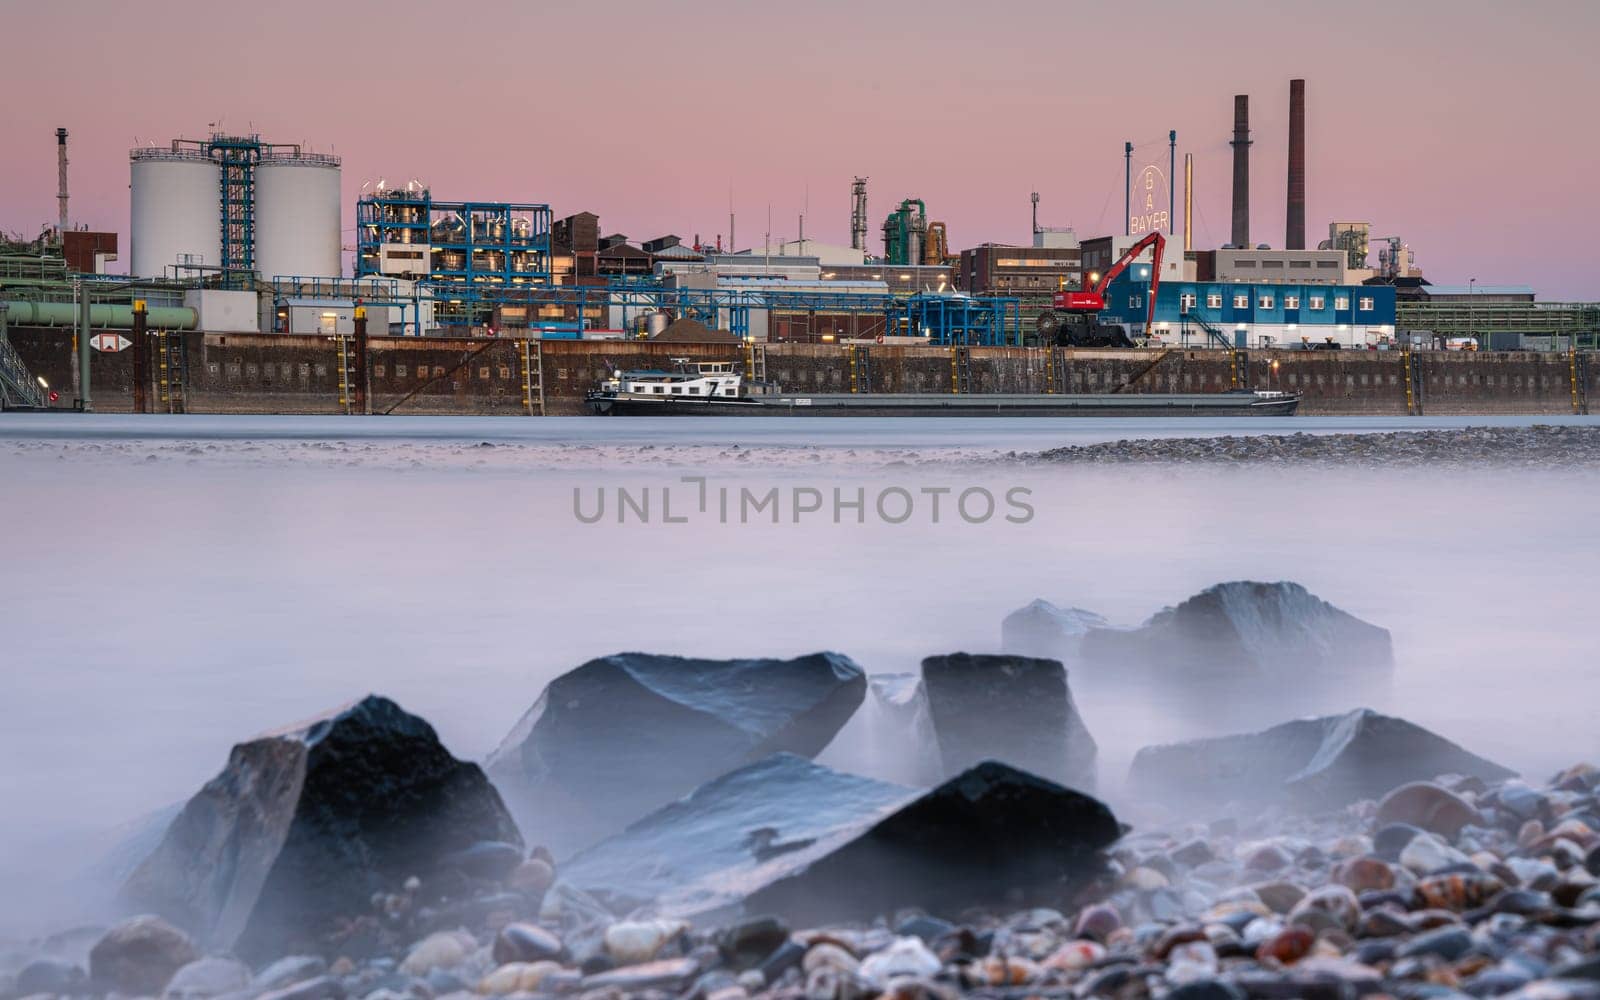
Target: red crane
point(1092, 299)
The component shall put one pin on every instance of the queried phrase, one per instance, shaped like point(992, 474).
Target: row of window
point(1241, 300)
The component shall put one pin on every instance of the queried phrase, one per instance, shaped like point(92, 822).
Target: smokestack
point(61, 168)
point(1241, 170)
point(1295, 233)
point(1188, 201)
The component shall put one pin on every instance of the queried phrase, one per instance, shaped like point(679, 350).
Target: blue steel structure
point(480, 254)
point(238, 156)
point(944, 320)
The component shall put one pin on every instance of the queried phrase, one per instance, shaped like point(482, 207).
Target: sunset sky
point(1464, 126)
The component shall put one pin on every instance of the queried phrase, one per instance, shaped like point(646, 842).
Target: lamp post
point(1472, 289)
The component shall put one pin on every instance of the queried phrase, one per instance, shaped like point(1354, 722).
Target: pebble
point(207, 977)
point(1426, 853)
point(49, 975)
point(534, 877)
point(907, 956)
point(639, 941)
point(525, 942)
point(517, 977)
point(441, 950)
point(140, 956)
point(1427, 806)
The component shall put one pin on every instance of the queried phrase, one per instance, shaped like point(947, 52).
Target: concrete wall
point(276, 373)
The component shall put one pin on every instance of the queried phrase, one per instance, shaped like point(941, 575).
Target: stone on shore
point(1310, 764)
point(139, 956)
point(1014, 709)
point(305, 824)
point(622, 735)
point(1043, 629)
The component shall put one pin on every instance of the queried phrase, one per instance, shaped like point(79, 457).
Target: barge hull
point(936, 405)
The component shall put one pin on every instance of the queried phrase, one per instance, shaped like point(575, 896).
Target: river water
point(173, 585)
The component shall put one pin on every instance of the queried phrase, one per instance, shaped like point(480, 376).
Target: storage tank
point(297, 216)
point(175, 207)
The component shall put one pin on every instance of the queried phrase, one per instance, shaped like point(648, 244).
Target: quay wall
point(274, 373)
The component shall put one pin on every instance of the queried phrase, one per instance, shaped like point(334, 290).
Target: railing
point(17, 385)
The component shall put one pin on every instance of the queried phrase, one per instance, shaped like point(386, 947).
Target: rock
point(140, 956)
point(524, 942)
point(1448, 943)
point(1327, 906)
point(441, 950)
point(1365, 874)
point(1097, 922)
point(288, 971)
point(517, 977)
point(634, 942)
point(1426, 805)
point(750, 942)
point(623, 735)
point(1206, 989)
point(203, 978)
point(1288, 946)
point(304, 825)
point(991, 833)
point(1193, 853)
point(1388, 842)
point(534, 877)
point(907, 956)
point(1014, 709)
point(890, 737)
point(1427, 853)
point(320, 988)
point(49, 975)
point(487, 859)
point(1237, 647)
point(671, 974)
point(702, 853)
point(1309, 764)
point(1042, 629)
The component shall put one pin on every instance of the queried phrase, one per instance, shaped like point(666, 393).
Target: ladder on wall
point(1238, 369)
point(860, 367)
point(755, 362)
point(172, 364)
point(533, 377)
point(960, 370)
point(347, 390)
point(1413, 373)
point(1580, 379)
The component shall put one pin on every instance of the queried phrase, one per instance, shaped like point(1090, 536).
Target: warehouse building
point(1255, 315)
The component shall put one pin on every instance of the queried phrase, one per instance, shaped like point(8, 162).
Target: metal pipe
point(1295, 220)
point(103, 315)
point(1241, 170)
point(1127, 189)
point(1188, 201)
point(141, 358)
point(1172, 177)
point(85, 397)
point(61, 168)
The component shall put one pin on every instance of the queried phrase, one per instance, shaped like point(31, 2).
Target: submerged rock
point(1242, 643)
point(1043, 629)
point(1318, 763)
point(139, 956)
point(304, 825)
point(1015, 709)
point(890, 737)
point(990, 833)
point(704, 852)
point(622, 735)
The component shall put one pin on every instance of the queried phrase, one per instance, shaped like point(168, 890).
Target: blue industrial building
point(1252, 314)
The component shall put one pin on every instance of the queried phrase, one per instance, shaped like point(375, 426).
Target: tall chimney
point(1295, 232)
point(1241, 170)
point(61, 168)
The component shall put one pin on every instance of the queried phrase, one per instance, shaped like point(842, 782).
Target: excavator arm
point(1093, 299)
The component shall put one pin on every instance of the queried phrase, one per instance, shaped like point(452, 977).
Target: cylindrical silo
point(297, 216)
point(175, 211)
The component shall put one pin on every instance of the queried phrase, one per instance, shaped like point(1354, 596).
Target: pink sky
point(1463, 126)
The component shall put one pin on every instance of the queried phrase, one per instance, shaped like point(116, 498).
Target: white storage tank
point(297, 216)
point(175, 211)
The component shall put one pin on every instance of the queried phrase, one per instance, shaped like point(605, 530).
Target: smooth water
point(172, 586)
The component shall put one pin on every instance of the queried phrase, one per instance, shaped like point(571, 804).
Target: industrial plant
point(239, 236)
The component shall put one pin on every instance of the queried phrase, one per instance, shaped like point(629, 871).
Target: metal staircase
point(1414, 383)
point(533, 377)
point(18, 388)
point(755, 363)
point(1580, 380)
point(1214, 337)
point(860, 367)
point(172, 369)
point(960, 370)
point(1238, 369)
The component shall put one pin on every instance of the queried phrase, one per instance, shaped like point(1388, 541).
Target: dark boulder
point(1042, 629)
point(625, 734)
point(305, 824)
point(1322, 763)
point(1236, 648)
point(700, 854)
point(1015, 709)
point(990, 835)
point(789, 838)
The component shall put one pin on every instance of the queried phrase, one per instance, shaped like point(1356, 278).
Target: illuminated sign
point(1149, 202)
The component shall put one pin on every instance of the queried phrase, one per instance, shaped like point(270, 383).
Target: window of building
point(1327, 265)
point(399, 371)
point(1366, 304)
point(677, 390)
point(377, 370)
point(483, 371)
point(694, 390)
point(1241, 302)
point(659, 389)
point(1135, 301)
point(1317, 301)
point(1213, 300)
point(505, 371)
point(1243, 262)
point(1264, 302)
point(1302, 264)
point(1341, 302)
point(1186, 301)
point(1273, 263)
point(1291, 302)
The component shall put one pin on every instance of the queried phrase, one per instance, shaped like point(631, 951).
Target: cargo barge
point(716, 389)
